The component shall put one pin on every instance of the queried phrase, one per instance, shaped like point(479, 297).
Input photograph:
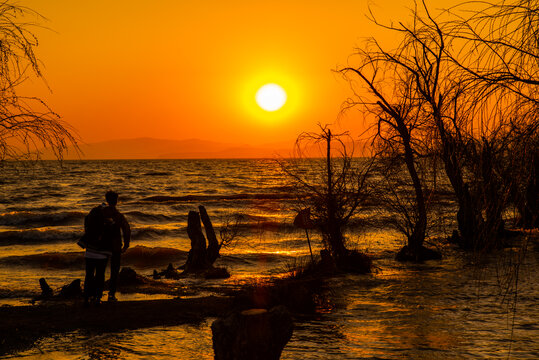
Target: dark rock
point(171, 273)
point(255, 334)
point(356, 262)
point(216, 273)
point(156, 275)
point(46, 290)
point(72, 290)
point(422, 254)
point(128, 277)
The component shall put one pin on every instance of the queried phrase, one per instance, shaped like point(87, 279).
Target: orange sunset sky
point(174, 69)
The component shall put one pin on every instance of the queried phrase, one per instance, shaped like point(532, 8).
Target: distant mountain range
point(150, 148)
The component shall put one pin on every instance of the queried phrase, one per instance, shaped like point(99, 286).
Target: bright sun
point(271, 97)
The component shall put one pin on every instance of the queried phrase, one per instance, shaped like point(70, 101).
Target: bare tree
point(27, 124)
point(396, 92)
point(442, 108)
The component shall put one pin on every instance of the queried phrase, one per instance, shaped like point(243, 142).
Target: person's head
point(112, 197)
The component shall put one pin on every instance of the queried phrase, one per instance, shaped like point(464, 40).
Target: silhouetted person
point(115, 226)
point(98, 249)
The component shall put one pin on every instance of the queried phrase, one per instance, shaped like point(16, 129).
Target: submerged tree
point(27, 124)
point(523, 172)
point(333, 188)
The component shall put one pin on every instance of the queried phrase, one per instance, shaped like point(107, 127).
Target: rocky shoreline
point(22, 326)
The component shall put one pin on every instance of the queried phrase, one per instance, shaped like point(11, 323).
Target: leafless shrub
point(333, 186)
point(230, 232)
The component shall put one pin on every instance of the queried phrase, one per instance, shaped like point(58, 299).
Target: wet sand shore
point(21, 326)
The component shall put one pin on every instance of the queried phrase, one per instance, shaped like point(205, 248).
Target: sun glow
point(252, 111)
point(271, 97)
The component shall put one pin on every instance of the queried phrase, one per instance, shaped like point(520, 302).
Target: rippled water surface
point(447, 309)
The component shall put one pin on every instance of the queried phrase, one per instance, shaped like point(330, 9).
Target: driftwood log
point(72, 290)
point(201, 256)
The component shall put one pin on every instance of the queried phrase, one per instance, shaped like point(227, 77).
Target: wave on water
point(144, 256)
point(282, 188)
point(38, 236)
point(149, 218)
point(158, 173)
point(31, 218)
point(267, 225)
point(268, 196)
point(256, 258)
point(48, 235)
point(139, 256)
point(149, 232)
point(17, 294)
point(56, 260)
point(31, 207)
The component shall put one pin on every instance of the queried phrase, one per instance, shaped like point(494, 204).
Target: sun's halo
point(271, 97)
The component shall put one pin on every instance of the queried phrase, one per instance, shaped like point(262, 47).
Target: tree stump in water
point(255, 334)
point(196, 260)
point(213, 244)
point(419, 255)
point(46, 290)
point(201, 258)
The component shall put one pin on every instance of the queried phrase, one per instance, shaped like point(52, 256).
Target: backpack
point(94, 226)
point(110, 232)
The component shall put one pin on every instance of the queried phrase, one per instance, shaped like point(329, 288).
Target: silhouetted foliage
point(500, 56)
point(230, 232)
point(524, 173)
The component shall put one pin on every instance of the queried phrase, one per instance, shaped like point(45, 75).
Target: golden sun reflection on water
point(153, 343)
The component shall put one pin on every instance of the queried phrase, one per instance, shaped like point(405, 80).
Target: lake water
point(439, 310)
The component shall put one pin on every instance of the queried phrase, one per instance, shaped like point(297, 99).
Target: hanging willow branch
point(27, 123)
